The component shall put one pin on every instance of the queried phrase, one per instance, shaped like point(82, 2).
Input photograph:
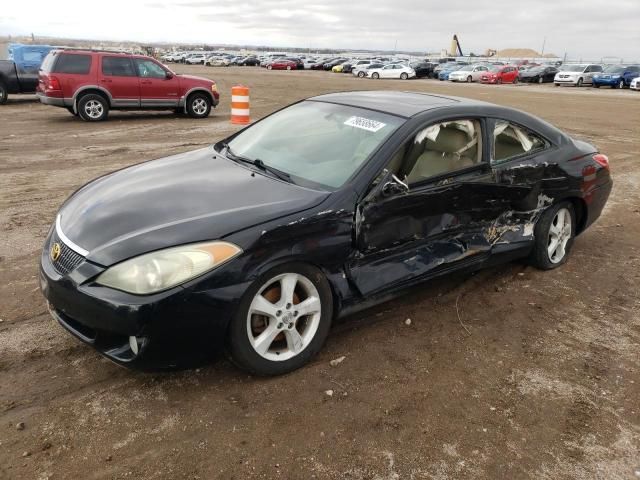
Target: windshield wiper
point(257, 163)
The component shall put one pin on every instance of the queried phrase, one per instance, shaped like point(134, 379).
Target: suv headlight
point(164, 269)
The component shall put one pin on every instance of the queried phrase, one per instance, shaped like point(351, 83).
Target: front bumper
point(171, 328)
point(606, 82)
point(565, 81)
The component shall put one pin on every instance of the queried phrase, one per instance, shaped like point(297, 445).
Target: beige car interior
point(442, 148)
point(511, 141)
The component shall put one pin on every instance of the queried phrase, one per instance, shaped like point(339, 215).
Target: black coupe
point(255, 244)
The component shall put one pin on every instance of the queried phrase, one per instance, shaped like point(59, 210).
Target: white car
point(635, 84)
point(391, 71)
point(468, 73)
point(577, 75)
point(198, 58)
point(217, 62)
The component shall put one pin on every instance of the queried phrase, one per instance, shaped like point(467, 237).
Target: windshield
point(495, 68)
point(573, 68)
point(316, 143)
point(614, 69)
point(536, 69)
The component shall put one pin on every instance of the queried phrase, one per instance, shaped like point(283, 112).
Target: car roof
point(402, 104)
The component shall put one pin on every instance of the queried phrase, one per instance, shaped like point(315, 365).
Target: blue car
point(616, 76)
point(444, 73)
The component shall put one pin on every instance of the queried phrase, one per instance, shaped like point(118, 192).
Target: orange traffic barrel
point(240, 104)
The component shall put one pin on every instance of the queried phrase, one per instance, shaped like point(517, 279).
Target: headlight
point(163, 269)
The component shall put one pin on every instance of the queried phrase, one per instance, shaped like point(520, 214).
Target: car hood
point(195, 78)
point(527, 73)
point(186, 198)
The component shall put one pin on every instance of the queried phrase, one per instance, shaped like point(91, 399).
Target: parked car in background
point(355, 64)
point(446, 66)
point(444, 73)
point(298, 62)
point(282, 64)
point(423, 69)
point(196, 59)
point(498, 74)
point(249, 62)
point(89, 83)
point(402, 72)
point(576, 75)
point(332, 63)
point(310, 63)
point(469, 73)
point(635, 84)
point(19, 74)
point(217, 61)
point(243, 245)
point(361, 71)
point(616, 76)
point(538, 74)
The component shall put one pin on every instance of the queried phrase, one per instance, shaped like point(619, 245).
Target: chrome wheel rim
point(559, 235)
point(199, 106)
point(284, 317)
point(93, 109)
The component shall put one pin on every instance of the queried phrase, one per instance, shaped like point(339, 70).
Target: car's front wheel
point(375, 76)
point(621, 84)
point(404, 76)
point(93, 107)
point(554, 236)
point(198, 105)
point(282, 320)
point(580, 82)
point(361, 74)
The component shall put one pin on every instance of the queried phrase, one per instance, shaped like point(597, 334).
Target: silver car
point(577, 75)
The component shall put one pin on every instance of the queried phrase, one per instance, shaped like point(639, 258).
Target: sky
point(589, 29)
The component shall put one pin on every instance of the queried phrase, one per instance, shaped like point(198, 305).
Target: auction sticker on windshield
point(364, 123)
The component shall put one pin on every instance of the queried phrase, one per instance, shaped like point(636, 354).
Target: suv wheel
point(198, 105)
point(93, 107)
point(3, 94)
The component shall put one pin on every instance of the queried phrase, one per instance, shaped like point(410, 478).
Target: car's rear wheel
point(361, 74)
point(554, 236)
point(375, 76)
point(621, 84)
point(282, 321)
point(469, 79)
point(3, 93)
point(198, 105)
point(404, 76)
point(93, 107)
point(288, 67)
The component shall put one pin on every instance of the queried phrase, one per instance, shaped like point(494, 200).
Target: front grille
point(68, 259)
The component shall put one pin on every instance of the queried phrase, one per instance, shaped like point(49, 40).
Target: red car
point(89, 83)
point(282, 64)
point(500, 74)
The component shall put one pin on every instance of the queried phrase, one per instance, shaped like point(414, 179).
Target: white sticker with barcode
point(365, 123)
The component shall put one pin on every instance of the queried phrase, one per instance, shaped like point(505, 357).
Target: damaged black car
point(255, 244)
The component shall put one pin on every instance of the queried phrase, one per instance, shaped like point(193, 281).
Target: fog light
point(133, 343)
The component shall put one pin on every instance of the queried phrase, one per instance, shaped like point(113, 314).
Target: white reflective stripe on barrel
point(240, 111)
point(239, 98)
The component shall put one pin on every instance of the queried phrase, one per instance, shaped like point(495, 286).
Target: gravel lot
point(544, 385)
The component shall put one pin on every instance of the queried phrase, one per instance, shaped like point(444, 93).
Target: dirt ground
point(511, 373)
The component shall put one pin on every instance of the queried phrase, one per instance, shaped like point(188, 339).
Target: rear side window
point(117, 67)
point(48, 62)
point(512, 141)
point(73, 63)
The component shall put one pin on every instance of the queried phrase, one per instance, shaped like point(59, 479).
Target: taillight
point(54, 83)
point(602, 160)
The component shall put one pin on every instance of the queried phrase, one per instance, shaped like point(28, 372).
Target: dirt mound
point(521, 53)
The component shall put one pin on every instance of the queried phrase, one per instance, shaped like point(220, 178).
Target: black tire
point(516, 80)
point(540, 80)
point(240, 349)
point(361, 74)
point(70, 110)
point(404, 76)
point(198, 105)
point(469, 79)
point(580, 82)
point(93, 107)
point(4, 95)
point(595, 85)
point(375, 75)
point(557, 84)
point(621, 84)
point(539, 256)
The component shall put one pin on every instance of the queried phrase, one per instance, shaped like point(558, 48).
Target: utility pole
point(544, 42)
point(395, 48)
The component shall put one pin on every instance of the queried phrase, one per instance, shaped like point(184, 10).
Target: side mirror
point(394, 186)
point(168, 75)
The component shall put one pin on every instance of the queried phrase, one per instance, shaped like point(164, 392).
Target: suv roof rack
point(89, 49)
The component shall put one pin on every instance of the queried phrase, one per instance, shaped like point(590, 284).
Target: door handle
point(106, 80)
point(145, 82)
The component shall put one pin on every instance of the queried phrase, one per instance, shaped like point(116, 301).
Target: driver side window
point(149, 69)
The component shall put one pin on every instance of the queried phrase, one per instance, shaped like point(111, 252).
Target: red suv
point(89, 83)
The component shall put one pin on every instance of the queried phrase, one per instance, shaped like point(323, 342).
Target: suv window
point(32, 56)
point(118, 67)
point(73, 63)
point(149, 68)
point(511, 141)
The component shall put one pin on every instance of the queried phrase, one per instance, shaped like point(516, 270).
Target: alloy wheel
point(284, 316)
point(94, 109)
point(559, 235)
point(199, 106)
